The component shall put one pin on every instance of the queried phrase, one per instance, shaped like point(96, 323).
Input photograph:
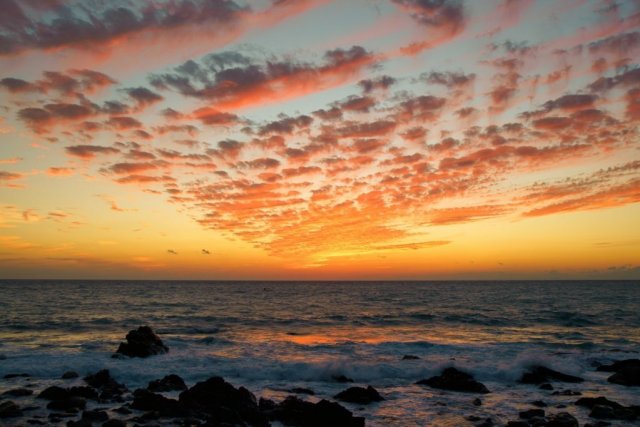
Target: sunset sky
point(318, 139)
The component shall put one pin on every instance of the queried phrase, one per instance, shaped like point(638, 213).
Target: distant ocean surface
point(273, 336)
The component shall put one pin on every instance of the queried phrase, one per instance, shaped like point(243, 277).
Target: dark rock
point(142, 342)
point(342, 379)
point(83, 391)
point(542, 374)
point(35, 422)
point(293, 411)
point(70, 404)
point(359, 395)
point(563, 419)
point(114, 423)
point(168, 383)
point(266, 405)
point(8, 409)
point(517, 424)
point(54, 393)
point(454, 380)
point(598, 424)
point(546, 386)
point(79, 423)
point(9, 376)
point(477, 402)
point(145, 400)
point(123, 410)
point(410, 357)
point(627, 372)
point(302, 390)
point(109, 388)
point(18, 392)
point(590, 402)
point(95, 416)
point(539, 404)
point(486, 423)
point(69, 375)
point(531, 413)
point(222, 401)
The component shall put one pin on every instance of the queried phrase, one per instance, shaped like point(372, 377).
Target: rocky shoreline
point(99, 399)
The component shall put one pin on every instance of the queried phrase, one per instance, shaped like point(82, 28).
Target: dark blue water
point(270, 336)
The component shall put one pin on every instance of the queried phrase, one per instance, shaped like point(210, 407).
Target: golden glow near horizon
point(253, 140)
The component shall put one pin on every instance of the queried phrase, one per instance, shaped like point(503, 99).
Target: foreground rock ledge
point(141, 342)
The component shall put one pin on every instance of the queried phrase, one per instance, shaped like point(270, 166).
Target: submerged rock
point(455, 380)
point(142, 342)
point(410, 357)
point(542, 374)
point(69, 375)
point(359, 395)
point(70, 404)
point(18, 392)
point(217, 398)
point(297, 412)
point(302, 390)
point(342, 379)
point(168, 383)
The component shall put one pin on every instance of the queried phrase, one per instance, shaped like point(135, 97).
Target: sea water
point(273, 336)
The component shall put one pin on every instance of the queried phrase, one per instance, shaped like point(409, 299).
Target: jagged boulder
point(142, 342)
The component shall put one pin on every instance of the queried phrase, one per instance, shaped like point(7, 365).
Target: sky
point(320, 139)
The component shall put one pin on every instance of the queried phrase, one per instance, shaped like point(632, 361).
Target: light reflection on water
point(274, 336)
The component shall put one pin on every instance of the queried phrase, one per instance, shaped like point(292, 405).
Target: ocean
point(272, 337)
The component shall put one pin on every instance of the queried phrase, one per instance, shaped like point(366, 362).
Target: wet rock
point(79, 423)
point(18, 392)
point(454, 380)
point(35, 422)
point(531, 413)
point(627, 372)
point(69, 375)
point(54, 393)
point(302, 390)
point(342, 379)
point(168, 383)
point(293, 411)
point(477, 402)
point(266, 405)
point(222, 401)
point(8, 409)
point(542, 374)
point(142, 342)
point(546, 386)
point(562, 419)
point(9, 376)
point(123, 410)
point(410, 357)
point(539, 404)
point(590, 402)
point(598, 424)
point(109, 388)
point(603, 408)
point(145, 400)
point(114, 423)
point(95, 415)
point(359, 395)
point(517, 424)
point(70, 404)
